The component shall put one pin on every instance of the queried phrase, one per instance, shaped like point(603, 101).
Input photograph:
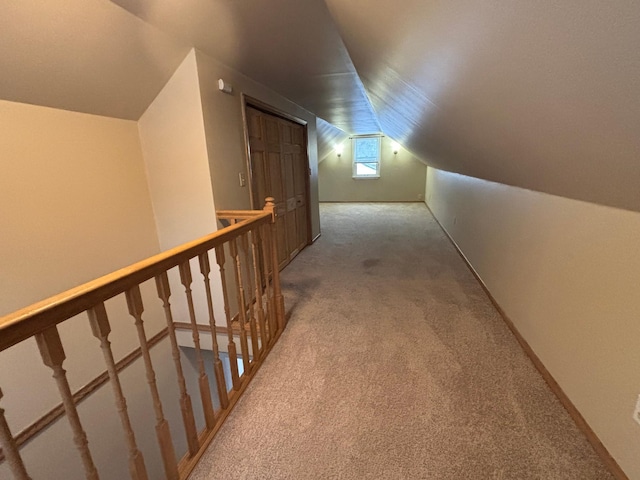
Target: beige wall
point(70, 183)
point(225, 135)
point(175, 154)
point(567, 274)
point(74, 205)
point(174, 146)
point(402, 177)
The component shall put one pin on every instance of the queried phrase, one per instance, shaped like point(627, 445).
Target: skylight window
point(366, 157)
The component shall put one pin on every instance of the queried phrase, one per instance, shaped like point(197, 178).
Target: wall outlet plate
point(636, 412)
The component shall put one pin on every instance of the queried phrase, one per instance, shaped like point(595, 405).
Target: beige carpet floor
point(394, 365)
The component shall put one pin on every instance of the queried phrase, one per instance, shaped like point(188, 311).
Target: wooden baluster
point(203, 380)
point(100, 327)
point(188, 420)
point(277, 293)
point(242, 313)
point(53, 356)
point(134, 302)
point(257, 277)
point(205, 269)
point(266, 257)
point(244, 241)
point(233, 356)
point(10, 449)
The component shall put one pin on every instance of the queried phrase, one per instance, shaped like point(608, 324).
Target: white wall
point(402, 177)
point(567, 273)
point(225, 135)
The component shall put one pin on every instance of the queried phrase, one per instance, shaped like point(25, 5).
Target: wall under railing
point(222, 291)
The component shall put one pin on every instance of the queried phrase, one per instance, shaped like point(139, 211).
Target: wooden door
point(279, 169)
point(300, 182)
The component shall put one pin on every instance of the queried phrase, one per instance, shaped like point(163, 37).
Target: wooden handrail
point(35, 318)
point(250, 244)
point(236, 214)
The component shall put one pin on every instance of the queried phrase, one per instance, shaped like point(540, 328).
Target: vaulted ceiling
point(542, 95)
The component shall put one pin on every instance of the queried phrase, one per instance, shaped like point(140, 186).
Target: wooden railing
point(247, 282)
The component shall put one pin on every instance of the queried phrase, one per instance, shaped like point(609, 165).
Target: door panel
point(279, 168)
point(274, 171)
point(281, 230)
point(272, 130)
point(300, 172)
point(302, 227)
point(292, 233)
point(254, 124)
point(298, 135)
point(300, 176)
point(286, 133)
point(259, 178)
point(289, 182)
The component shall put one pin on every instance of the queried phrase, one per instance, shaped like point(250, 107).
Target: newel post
point(270, 207)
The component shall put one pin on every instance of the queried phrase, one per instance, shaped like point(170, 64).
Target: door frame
point(249, 101)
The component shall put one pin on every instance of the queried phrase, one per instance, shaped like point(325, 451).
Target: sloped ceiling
point(328, 138)
point(541, 95)
point(291, 46)
point(85, 56)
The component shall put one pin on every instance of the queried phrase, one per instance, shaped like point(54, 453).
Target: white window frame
point(370, 160)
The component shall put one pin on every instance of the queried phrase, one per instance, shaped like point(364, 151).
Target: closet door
point(279, 169)
point(290, 156)
point(300, 186)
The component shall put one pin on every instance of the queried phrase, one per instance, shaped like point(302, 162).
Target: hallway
point(394, 365)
